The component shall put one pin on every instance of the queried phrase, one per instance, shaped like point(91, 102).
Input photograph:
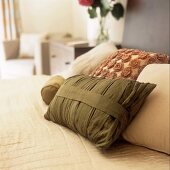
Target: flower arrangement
point(104, 7)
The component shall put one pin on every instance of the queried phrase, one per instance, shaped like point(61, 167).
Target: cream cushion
point(51, 87)
point(28, 42)
point(150, 128)
point(87, 62)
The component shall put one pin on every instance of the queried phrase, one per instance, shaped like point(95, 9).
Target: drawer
point(59, 64)
point(61, 57)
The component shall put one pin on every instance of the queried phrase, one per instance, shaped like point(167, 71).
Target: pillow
point(151, 127)
point(50, 88)
point(127, 63)
point(87, 62)
point(97, 108)
point(28, 43)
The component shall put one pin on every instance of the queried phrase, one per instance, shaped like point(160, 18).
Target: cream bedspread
point(28, 141)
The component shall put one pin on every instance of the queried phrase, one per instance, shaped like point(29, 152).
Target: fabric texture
point(50, 88)
point(87, 62)
point(29, 142)
point(97, 108)
point(127, 63)
point(151, 127)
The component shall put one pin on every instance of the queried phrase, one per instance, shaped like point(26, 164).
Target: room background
point(66, 16)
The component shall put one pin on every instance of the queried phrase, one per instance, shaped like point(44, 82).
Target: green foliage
point(92, 12)
point(105, 4)
point(117, 10)
point(97, 3)
point(104, 12)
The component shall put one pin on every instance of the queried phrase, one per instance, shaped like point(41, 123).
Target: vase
point(97, 29)
point(103, 31)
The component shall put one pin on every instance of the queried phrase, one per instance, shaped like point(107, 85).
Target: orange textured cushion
point(127, 63)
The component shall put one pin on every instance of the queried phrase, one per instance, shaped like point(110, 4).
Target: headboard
point(147, 25)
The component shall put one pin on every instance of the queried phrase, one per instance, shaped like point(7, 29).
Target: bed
point(28, 141)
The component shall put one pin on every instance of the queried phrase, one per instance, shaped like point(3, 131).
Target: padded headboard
point(147, 25)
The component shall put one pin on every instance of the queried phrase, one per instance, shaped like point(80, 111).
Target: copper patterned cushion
point(127, 63)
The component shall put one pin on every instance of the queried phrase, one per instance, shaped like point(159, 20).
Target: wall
point(80, 18)
point(46, 16)
point(148, 25)
point(61, 16)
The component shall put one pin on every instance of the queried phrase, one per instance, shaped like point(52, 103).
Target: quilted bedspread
point(28, 141)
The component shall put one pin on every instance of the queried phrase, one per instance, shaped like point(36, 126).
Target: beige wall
point(46, 15)
point(80, 17)
point(61, 16)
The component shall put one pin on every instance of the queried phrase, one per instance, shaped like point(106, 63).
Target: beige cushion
point(87, 62)
point(50, 88)
point(28, 43)
point(150, 128)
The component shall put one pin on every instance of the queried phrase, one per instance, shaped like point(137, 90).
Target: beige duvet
point(28, 141)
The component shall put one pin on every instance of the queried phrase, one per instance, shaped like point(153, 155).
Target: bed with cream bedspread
point(28, 141)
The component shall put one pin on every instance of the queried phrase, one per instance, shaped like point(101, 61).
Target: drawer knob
point(67, 63)
point(53, 56)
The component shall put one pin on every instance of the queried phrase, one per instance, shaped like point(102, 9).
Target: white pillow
point(151, 127)
point(28, 42)
point(87, 62)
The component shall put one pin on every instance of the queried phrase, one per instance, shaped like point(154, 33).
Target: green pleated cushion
point(97, 108)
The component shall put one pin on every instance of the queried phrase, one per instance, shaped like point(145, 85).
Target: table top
point(79, 44)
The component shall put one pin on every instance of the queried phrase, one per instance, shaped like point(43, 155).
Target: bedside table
point(62, 54)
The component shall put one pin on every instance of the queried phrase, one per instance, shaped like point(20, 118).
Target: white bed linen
point(28, 141)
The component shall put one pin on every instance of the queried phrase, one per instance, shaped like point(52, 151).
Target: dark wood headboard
point(147, 25)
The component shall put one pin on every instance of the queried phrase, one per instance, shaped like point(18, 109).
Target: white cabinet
point(61, 56)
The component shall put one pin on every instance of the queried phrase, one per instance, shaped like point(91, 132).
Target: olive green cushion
point(50, 88)
point(97, 108)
